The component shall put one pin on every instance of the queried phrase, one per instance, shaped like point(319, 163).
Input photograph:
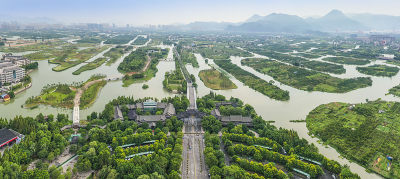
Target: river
point(299, 105)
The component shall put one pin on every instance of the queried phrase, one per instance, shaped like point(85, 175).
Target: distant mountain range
point(334, 21)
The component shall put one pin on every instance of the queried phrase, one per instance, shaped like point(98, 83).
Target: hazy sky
point(144, 12)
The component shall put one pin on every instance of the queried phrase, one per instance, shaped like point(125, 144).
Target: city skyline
point(158, 12)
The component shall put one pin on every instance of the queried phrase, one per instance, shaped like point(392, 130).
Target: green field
point(379, 70)
point(216, 80)
point(303, 79)
point(361, 132)
point(90, 66)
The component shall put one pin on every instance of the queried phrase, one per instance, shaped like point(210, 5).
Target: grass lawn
point(59, 95)
point(216, 80)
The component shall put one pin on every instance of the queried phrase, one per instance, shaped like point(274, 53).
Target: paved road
point(191, 92)
point(193, 165)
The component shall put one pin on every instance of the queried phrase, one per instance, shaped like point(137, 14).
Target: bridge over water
point(75, 113)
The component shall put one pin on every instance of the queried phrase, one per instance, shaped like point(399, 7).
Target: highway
point(193, 165)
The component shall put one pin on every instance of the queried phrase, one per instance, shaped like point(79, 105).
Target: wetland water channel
point(300, 103)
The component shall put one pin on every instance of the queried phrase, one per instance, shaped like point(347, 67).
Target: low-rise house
point(147, 106)
point(225, 103)
point(5, 97)
point(215, 112)
point(118, 113)
point(169, 111)
point(236, 120)
point(150, 119)
point(8, 137)
point(132, 114)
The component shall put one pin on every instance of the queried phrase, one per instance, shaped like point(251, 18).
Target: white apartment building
point(18, 60)
point(10, 73)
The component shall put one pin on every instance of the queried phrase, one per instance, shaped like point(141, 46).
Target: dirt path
point(144, 68)
point(79, 91)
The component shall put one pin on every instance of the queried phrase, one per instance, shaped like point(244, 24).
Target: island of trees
point(367, 133)
point(347, 61)
point(258, 84)
point(141, 64)
point(115, 53)
point(379, 70)
point(90, 66)
point(174, 81)
point(305, 79)
point(219, 51)
point(395, 91)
